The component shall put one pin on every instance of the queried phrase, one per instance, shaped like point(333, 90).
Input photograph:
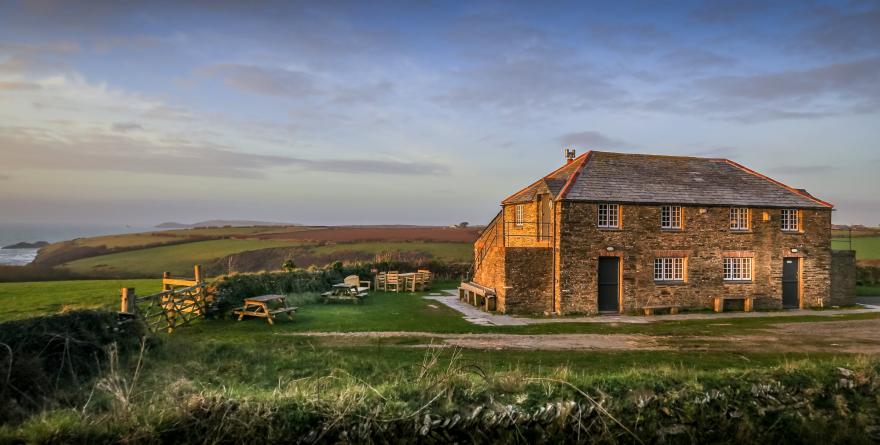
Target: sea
point(12, 233)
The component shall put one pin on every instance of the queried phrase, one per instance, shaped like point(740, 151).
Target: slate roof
point(552, 183)
point(655, 179)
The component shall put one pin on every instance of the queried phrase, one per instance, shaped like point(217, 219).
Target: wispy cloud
point(18, 86)
point(264, 80)
point(31, 148)
point(123, 127)
point(592, 140)
point(5, 177)
point(801, 169)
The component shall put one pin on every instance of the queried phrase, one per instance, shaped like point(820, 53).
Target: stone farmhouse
point(613, 233)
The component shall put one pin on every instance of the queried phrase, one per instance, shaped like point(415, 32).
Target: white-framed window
point(518, 219)
point(609, 216)
point(790, 222)
point(740, 218)
point(737, 269)
point(669, 269)
point(671, 217)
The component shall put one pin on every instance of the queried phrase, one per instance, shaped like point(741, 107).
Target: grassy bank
point(30, 299)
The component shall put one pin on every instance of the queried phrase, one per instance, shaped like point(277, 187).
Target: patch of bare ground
point(547, 342)
point(849, 337)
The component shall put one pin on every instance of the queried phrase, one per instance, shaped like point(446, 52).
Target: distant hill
point(220, 223)
point(26, 245)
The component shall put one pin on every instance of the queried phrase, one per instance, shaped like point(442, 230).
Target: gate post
point(128, 305)
point(197, 271)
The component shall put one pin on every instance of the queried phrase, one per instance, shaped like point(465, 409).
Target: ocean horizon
point(12, 233)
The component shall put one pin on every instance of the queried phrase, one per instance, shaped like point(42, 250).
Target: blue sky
point(416, 112)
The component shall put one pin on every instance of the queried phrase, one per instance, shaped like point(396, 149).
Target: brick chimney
point(569, 155)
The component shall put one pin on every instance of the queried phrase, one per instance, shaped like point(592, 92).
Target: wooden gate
point(180, 302)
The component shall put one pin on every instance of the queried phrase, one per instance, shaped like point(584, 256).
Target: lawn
point(868, 291)
point(177, 259)
point(866, 247)
point(449, 251)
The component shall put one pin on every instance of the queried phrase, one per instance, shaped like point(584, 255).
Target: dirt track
point(853, 336)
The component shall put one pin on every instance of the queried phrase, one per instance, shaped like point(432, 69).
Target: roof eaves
point(773, 181)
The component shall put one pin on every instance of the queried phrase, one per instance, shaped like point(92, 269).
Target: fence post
point(197, 271)
point(128, 305)
point(165, 276)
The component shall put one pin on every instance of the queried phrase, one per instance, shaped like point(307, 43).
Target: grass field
point(177, 259)
point(451, 252)
point(866, 247)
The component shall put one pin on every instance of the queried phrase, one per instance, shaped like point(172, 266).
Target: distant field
point(450, 252)
point(177, 259)
point(866, 247)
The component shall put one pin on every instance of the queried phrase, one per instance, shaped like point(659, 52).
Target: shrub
point(41, 356)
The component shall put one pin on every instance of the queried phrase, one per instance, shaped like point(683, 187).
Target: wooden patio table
point(259, 307)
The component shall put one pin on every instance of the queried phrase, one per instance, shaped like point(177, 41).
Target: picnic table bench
point(649, 310)
point(259, 307)
point(748, 303)
point(345, 292)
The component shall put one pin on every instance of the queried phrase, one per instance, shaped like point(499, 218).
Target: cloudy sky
point(416, 112)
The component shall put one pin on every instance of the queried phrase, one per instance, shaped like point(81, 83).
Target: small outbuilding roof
point(639, 178)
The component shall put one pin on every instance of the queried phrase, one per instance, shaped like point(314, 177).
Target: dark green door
point(609, 284)
point(791, 283)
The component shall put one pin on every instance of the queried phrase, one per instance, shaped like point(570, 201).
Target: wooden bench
point(478, 295)
point(649, 310)
point(748, 303)
point(259, 307)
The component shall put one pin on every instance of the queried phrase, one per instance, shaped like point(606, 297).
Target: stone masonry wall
point(489, 270)
point(527, 234)
point(843, 277)
point(704, 241)
point(529, 280)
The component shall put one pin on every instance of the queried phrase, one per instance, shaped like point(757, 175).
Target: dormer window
point(671, 217)
point(609, 216)
point(740, 219)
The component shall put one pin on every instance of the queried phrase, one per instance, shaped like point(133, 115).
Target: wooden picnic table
point(344, 291)
point(748, 303)
point(259, 307)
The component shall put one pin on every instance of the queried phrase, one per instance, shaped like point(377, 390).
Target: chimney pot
point(570, 155)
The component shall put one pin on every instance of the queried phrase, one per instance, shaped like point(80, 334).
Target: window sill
point(793, 232)
point(610, 229)
point(671, 229)
point(739, 282)
point(740, 231)
point(670, 282)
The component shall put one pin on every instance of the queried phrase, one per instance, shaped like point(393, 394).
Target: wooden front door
point(791, 283)
point(545, 212)
point(609, 284)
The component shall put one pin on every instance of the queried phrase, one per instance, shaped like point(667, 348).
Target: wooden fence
point(180, 302)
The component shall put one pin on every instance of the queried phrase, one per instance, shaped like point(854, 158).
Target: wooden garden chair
point(428, 278)
point(392, 281)
point(380, 281)
point(415, 282)
point(359, 285)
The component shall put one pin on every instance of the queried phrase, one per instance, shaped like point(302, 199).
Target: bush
point(231, 290)
point(44, 355)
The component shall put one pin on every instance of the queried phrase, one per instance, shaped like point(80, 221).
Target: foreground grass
point(210, 390)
